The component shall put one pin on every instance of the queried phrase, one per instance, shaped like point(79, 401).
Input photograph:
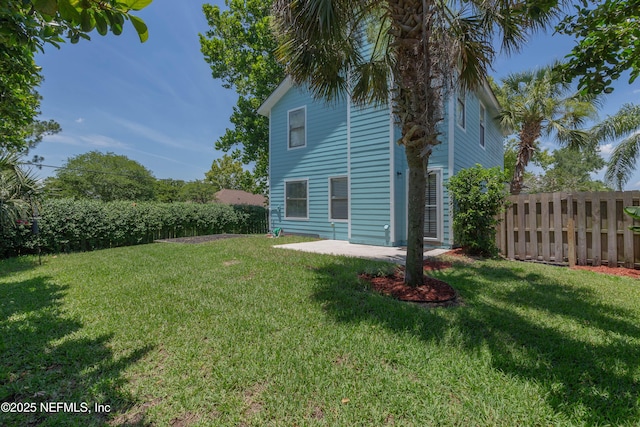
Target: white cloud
point(99, 141)
point(102, 141)
point(606, 149)
point(62, 139)
point(80, 120)
point(636, 91)
point(155, 136)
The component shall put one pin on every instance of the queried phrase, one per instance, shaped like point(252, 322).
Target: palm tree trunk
point(415, 218)
point(417, 106)
point(529, 134)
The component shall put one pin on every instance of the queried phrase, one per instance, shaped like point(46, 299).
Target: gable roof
point(287, 84)
point(275, 96)
point(239, 197)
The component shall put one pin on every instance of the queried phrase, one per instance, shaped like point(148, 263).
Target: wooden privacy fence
point(577, 228)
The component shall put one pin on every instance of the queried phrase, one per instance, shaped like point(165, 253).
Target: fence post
point(571, 232)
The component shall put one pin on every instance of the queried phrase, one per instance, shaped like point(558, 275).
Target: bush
point(479, 195)
point(68, 225)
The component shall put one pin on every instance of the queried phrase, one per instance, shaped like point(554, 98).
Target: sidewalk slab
point(341, 247)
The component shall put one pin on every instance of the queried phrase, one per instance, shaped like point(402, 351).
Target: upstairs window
point(297, 128)
point(483, 113)
point(339, 198)
point(460, 111)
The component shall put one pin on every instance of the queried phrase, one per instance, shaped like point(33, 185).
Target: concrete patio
point(341, 247)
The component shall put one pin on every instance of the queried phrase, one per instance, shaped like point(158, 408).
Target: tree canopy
point(607, 37)
point(228, 173)
point(534, 105)
point(106, 177)
point(624, 128)
point(239, 47)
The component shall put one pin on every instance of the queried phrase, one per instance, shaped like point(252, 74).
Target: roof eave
point(275, 96)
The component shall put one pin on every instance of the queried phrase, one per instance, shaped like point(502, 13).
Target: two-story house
point(336, 170)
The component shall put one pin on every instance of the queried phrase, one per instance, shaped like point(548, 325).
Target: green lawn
point(236, 333)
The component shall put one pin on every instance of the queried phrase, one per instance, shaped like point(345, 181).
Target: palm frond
point(622, 162)
point(621, 124)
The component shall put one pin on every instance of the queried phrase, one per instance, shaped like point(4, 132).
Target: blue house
point(336, 171)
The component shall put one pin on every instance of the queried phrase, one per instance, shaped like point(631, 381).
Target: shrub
point(69, 225)
point(479, 195)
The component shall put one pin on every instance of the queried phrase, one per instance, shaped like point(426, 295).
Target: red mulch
point(432, 291)
point(616, 271)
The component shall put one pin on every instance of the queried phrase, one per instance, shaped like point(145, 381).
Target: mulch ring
point(200, 239)
point(433, 293)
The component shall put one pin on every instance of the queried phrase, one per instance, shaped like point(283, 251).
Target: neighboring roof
point(275, 96)
point(239, 197)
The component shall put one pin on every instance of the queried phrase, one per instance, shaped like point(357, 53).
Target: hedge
point(68, 225)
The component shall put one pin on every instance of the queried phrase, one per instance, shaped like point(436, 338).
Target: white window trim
point(483, 122)
point(331, 219)
point(439, 207)
point(289, 147)
point(295, 218)
point(439, 171)
point(464, 106)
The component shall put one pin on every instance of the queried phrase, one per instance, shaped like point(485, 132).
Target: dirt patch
point(200, 239)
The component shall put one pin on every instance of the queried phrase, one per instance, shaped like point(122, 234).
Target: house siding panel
point(370, 166)
point(325, 155)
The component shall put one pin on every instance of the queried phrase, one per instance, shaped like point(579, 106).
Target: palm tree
point(409, 52)
point(534, 105)
point(18, 191)
point(624, 124)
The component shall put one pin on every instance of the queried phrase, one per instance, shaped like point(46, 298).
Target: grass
point(236, 333)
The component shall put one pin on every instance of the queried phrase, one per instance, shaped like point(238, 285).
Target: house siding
point(324, 156)
point(361, 143)
point(370, 165)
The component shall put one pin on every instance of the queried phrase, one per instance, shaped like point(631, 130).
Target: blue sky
point(157, 103)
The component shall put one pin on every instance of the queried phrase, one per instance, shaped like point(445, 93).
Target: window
point(339, 198)
point(431, 208)
point(296, 200)
point(482, 116)
point(297, 128)
point(460, 111)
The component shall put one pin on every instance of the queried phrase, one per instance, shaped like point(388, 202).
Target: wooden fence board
point(522, 243)
point(596, 236)
point(533, 226)
point(557, 227)
point(627, 221)
point(612, 232)
point(581, 228)
point(544, 224)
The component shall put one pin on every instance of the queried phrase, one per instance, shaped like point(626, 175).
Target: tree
point(19, 190)
point(425, 47)
point(533, 105)
point(239, 48)
point(198, 192)
point(568, 170)
point(228, 173)
point(105, 177)
point(606, 34)
point(168, 190)
point(624, 124)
